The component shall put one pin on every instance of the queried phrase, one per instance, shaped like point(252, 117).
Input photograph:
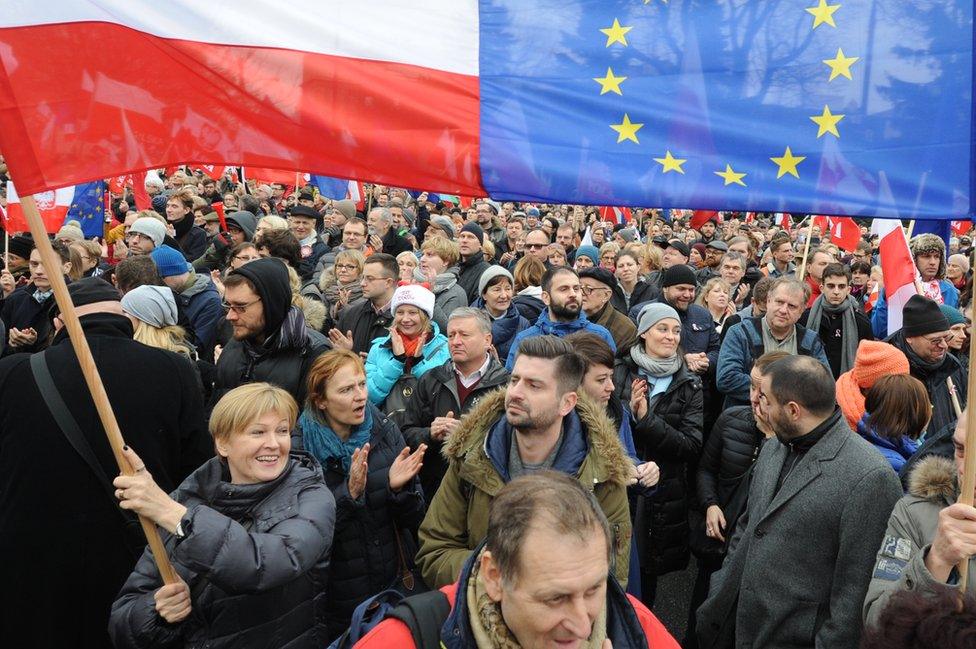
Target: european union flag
point(816, 106)
point(334, 188)
point(88, 208)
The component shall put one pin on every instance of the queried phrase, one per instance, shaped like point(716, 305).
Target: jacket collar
point(623, 626)
point(604, 462)
point(100, 324)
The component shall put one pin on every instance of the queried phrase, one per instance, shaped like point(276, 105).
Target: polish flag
point(52, 205)
point(282, 97)
point(701, 217)
point(821, 222)
point(960, 228)
point(898, 267)
point(357, 194)
point(784, 221)
point(616, 214)
point(872, 299)
point(214, 171)
point(845, 232)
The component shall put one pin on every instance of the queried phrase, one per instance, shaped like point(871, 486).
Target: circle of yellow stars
point(787, 163)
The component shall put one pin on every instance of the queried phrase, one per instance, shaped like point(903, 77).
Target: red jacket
point(394, 634)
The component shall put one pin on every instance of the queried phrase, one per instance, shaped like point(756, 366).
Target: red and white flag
point(845, 232)
point(960, 228)
point(214, 171)
point(616, 214)
point(898, 267)
point(784, 221)
point(52, 205)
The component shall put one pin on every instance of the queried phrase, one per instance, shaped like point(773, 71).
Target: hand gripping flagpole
point(968, 485)
point(806, 253)
point(52, 266)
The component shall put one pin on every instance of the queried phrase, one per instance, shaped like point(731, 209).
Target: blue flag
point(941, 229)
point(88, 208)
point(816, 106)
point(334, 188)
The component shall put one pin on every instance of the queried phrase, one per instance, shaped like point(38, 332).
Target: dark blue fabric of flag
point(722, 88)
point(334, 188)
point(88, 208)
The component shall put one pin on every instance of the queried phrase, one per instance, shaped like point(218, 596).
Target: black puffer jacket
point(365, 557)
point(435, 396)
point(671, 435)
point(723, 471)
point(365, 323)
point(255, 556)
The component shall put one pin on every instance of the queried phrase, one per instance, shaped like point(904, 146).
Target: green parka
point(457, 519)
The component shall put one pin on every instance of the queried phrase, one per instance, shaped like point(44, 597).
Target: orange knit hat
point(874, 360)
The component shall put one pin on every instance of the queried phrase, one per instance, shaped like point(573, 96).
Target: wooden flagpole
point(806, 252)
point(52, 266)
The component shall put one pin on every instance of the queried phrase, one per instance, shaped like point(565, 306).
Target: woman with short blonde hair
point(249, 534)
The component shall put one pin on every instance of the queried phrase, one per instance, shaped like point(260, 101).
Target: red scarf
point(411, 343)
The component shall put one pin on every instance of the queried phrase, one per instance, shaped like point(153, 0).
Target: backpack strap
point(70, 428)
point(424, 615)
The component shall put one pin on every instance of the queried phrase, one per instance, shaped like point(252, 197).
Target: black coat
point(287, 368)
point(832, 335)
point(22, 311)
point(943, 413)
point(193, 243)
point(529, 306)
point(644, 291)
point(256, 559)
point(435, 396)
point(671, 435)
point(469, 273)
point(365, 556)
point(365, 324)
point(64, 537)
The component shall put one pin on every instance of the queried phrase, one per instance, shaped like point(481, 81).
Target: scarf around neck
point(488, 625)
point(654, 367)
point(411, 343)
point(322, 442)
point(849, 337)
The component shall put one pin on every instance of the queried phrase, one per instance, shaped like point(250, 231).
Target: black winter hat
point(21, 245)
point(88, 290)
point(922, 316)
point(677, 274)
point(307, 212)
point(270, 279)
point(474, 229)
point(680, 246)
point(601, 275)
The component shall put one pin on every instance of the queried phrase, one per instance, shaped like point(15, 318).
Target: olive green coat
point(457, 519)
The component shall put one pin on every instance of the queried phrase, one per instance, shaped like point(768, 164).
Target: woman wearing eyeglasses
point(341, 286)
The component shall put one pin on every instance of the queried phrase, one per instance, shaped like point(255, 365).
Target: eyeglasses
point(369, 278)
point(535, 246)
point(345, 267)
point(238, 308)
point(938, 340)
point(246, 257)
point(589, 289)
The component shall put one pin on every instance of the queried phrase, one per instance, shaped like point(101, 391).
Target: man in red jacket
point(541, 578)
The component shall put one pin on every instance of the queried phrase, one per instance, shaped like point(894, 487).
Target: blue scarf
point(322, 442)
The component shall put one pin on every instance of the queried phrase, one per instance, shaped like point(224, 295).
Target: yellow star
point(823, 13)
point(827, 122)
point(610, 83)
point(840, 65)
point(627, 130)
point(787, 163)
point(670, 163)
point(617, 34)
point(730, 176)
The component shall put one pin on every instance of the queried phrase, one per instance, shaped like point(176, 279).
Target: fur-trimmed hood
point(928, 243)
point(604, 442)
point(934, 478)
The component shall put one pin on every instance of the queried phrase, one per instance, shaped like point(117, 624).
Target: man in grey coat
point(800, 561)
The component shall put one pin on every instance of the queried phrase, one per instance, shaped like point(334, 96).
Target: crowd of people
point(499, 425)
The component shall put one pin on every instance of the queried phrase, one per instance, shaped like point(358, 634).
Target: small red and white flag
point(845, 232)
point(214, 171)
point(357, 194)
point(784, 221)
point(960, 228)
point(898, 267)
point(52, 205)
point(616, 214)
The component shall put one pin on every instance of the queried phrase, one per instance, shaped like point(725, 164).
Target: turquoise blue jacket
point(383, 370)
